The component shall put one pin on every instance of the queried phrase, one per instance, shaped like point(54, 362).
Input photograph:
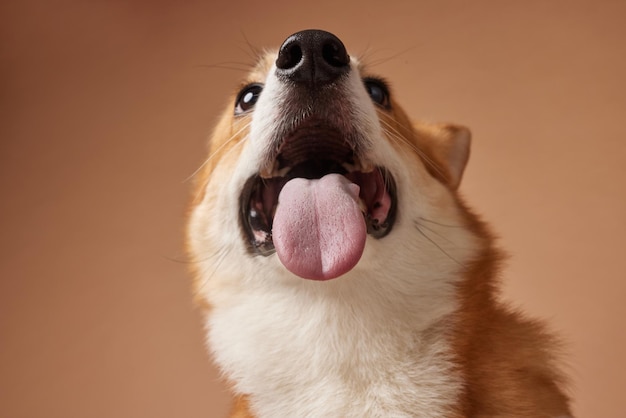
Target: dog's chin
point(313, 156)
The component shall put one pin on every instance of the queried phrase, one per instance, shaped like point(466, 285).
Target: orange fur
point(241, 409)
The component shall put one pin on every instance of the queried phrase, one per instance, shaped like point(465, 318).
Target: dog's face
point(315, 172)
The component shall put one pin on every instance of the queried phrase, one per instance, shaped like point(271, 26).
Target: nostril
point(290, 56)
point(335, 54)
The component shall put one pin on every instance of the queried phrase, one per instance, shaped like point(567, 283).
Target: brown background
point(105, 110)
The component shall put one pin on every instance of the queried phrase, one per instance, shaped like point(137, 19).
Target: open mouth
point(313, 152)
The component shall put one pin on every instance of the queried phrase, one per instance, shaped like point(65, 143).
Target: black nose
point(312, 57)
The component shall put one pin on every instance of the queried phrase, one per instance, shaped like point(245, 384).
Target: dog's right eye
point(247, 97)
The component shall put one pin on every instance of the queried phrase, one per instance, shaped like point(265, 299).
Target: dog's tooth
point(282, 172)
point(267, 172)
point(353, 166)
point(367, 167)
point(363, 206)
point(275, 171)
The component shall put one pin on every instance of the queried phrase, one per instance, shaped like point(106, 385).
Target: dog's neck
point(342, 348)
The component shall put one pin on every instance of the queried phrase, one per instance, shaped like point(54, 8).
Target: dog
point(341, 273)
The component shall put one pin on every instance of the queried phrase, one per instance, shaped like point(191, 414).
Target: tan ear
point(449, 147)
point(455, 151)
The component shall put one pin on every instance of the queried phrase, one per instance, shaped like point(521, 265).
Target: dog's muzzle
point(318, 199)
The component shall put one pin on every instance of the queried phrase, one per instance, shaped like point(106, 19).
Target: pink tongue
point(319, 231)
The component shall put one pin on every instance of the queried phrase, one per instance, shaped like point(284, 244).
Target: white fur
point(370, 343)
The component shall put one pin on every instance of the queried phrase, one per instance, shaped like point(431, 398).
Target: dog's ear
point(455, 151)
point(448, 146)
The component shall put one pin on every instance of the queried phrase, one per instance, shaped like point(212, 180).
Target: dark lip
point(311, 151)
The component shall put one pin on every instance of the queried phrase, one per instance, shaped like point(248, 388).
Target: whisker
point(397, 136)
point(190, 260)
point(417, 226)
point(253, 51)
point(178, 260)
point(214, 153)
point(364, 55)
point(228, 66)
point(443, 237)
point(200, 189)
point(382, 60)
point(440, 224)
point(221, 254)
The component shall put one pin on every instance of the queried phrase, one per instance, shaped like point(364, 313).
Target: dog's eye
point(378, 91)
point(247, 97)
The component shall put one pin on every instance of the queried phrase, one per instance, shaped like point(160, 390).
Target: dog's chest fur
point(302, 354)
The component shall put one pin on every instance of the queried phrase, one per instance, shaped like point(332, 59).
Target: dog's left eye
point(247, 97)
point(378, 91)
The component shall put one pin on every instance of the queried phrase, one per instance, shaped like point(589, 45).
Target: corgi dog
point(341, 273)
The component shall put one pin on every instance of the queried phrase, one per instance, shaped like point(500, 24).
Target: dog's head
point(316, 172)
